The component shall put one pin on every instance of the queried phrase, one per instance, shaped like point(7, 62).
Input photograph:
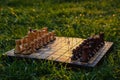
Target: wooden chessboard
point(61, 51)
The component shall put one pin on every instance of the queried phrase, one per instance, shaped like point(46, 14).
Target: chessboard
point(60, 51)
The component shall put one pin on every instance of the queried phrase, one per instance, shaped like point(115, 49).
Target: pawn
point(73, 58)
point(85, 42)
point(73, 51)
point(77, 48)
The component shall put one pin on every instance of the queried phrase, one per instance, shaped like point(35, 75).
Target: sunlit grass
point(68, 18)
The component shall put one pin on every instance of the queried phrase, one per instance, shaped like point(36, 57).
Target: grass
point(68, 18)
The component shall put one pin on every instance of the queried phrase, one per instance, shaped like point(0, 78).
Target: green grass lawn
point(68, 18)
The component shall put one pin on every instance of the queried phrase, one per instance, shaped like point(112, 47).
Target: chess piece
point(26, 51)
point(27, 45)
point(30, 30)
point(18, 49)
point(73, 58)
point(80, 50)
point(74, 52)
point(44, 40)
point(85, 54)
point(90, 53)
point(35, 34)
point(45, 30)
point(101, 38)
point(32, 47)
point(97, 43)
point(85, 42)
point(27, 39)
point(31, 36)
point(52, 34)
point(40, 33)
point(23, 42)
point(47, 38)
point(77, 52)
point(92, 46)
point(40, 42)
point(36, 44)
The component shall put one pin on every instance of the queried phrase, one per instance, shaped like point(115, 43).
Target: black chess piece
point(97, 42)
point(73, 57)
point(74, 52)
point(85, 54)
point(91, 52)
point(101, 39)
point(92, 46)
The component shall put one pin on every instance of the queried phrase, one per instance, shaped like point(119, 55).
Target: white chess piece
point(44, 39)
point(32, 49)
point(17, 47)
point(47, 38)
point(39, 42)
point(52, 35)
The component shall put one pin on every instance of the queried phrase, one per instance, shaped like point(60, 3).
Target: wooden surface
point(61, 51)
